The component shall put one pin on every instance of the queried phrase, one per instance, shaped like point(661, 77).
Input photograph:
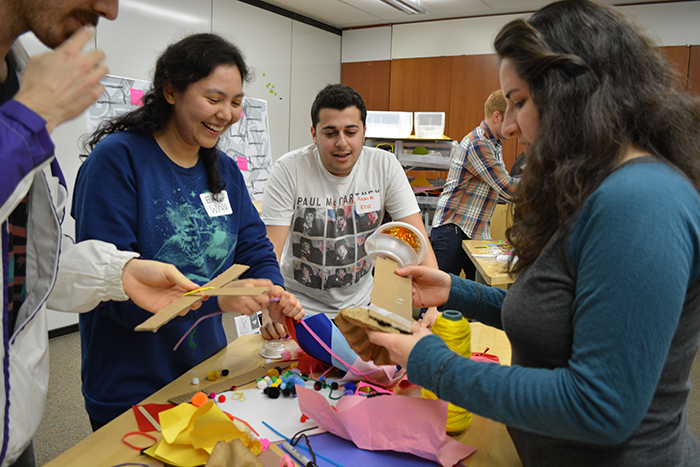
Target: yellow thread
point(238, 396)
point(385, 144)
point(197, 291)
point(457, 336)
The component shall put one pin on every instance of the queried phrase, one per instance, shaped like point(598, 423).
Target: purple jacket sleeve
point(25, 147)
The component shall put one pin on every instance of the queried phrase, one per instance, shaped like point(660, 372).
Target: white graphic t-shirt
point(324, 262)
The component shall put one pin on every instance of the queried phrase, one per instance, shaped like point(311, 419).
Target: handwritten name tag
point(216, 208)
point(367, 203)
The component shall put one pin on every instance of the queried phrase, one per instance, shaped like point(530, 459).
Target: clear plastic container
point(430, 124)
point(389, 241)
point(389, 124)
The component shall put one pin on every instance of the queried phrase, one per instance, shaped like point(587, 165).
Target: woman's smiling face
point(208, 107)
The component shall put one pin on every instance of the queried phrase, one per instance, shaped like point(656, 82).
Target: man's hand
point(59, 85)
point(282, 304)
point(153, 285)
point(270, 329)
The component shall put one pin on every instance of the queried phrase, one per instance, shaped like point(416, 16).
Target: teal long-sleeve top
point(604, 326)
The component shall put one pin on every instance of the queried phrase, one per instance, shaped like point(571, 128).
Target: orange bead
point(405, 235)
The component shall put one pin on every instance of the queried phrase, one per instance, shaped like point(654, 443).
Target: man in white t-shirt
point(349, 186)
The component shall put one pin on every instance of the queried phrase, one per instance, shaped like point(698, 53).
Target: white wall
point(316, 63)
point(367, 44)
point(296, 58)
point(670, 24)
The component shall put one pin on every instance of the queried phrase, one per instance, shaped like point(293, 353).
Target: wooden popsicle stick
point(165, 315)
point(150, 418)
point(236, 291)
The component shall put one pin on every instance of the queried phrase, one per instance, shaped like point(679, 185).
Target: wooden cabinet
point(371, 79)
point(459, 86)
point(694, 70)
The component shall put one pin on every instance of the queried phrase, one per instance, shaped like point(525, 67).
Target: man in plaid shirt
point(476, 179)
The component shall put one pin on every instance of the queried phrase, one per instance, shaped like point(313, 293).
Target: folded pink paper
point(395, 423)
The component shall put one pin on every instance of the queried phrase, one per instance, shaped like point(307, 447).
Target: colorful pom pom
point(199, 399)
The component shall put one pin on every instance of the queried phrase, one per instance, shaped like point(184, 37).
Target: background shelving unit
point(432, 167)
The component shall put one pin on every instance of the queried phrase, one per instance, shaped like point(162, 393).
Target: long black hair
point(600, 87)
point(183, 63)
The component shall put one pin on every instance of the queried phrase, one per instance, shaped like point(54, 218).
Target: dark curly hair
point(600, 87)
point(183, 63)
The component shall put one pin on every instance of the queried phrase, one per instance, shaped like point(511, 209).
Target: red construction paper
point(154, 410)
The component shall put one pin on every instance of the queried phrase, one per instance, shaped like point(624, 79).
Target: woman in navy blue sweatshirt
point(156, 184)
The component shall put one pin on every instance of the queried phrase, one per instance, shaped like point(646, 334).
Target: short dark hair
point(337, 96)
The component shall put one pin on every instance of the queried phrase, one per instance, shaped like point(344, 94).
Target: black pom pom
point(273, 392)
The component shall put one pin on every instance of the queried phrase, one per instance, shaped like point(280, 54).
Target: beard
point(53, 33)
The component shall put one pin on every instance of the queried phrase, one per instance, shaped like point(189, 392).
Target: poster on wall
point(247, 141)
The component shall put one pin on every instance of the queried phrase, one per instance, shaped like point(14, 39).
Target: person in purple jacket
point(54, 87)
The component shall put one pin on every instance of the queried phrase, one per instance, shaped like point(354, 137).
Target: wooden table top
point(481, 252)
point(241, 357)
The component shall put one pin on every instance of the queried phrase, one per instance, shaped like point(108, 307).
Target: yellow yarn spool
point(455, 331)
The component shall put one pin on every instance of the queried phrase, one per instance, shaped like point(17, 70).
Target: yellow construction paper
point(180, 455)
point(205, 437)
point(190, 434)
point(175, 421)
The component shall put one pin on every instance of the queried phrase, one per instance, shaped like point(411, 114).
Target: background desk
point(104, 448)
point(488, 270)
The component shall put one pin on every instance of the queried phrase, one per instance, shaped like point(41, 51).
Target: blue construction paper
point(346, 454)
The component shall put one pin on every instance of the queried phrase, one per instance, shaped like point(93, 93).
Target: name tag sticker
point(216, 208)
point(367, 203)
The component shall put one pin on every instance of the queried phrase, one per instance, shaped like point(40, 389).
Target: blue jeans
point(447, 245)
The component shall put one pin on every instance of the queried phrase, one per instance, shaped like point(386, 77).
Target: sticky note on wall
point(242, 163)
point(136, 97)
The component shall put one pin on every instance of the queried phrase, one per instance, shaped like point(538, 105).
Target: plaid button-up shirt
point(476, 178)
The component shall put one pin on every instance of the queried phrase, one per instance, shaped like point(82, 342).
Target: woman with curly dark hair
point(155, 183)
point(604, 318)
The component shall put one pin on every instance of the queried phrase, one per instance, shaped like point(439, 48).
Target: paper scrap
point(136, 96)
point(397, 423)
